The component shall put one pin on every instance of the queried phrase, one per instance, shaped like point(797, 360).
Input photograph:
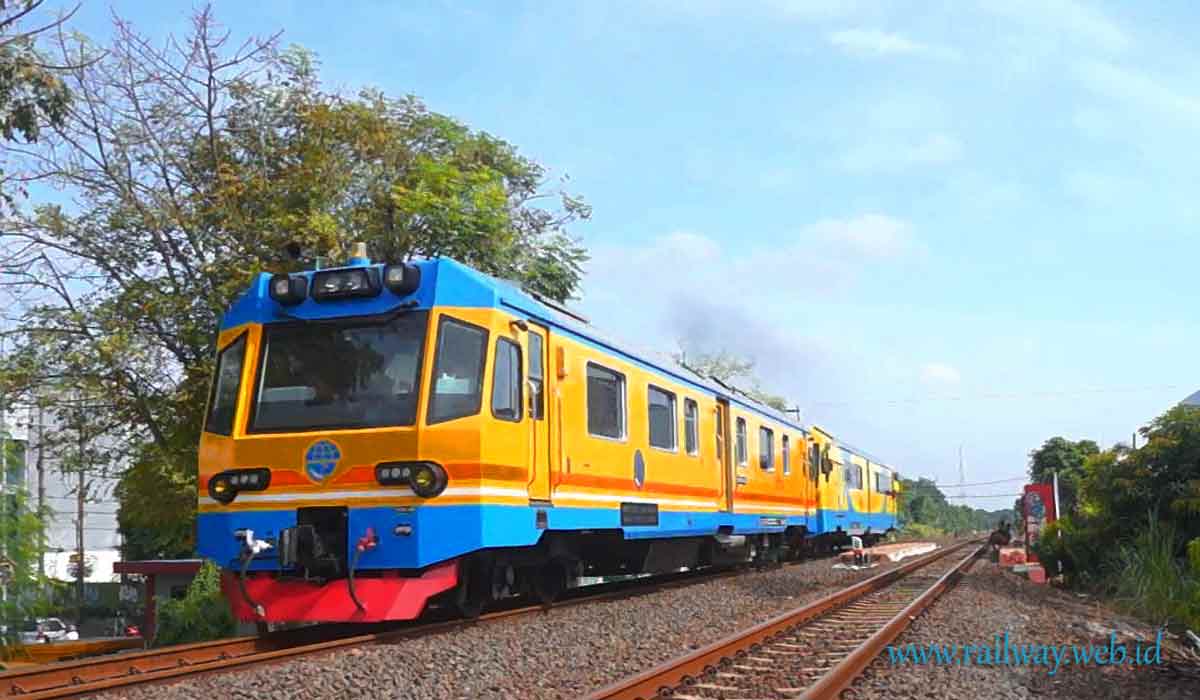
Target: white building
point(100, 536)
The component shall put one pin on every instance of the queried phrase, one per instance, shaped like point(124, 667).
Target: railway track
point(813, 652)
point(85, 676)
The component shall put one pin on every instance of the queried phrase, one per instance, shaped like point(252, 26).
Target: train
point(380, 438)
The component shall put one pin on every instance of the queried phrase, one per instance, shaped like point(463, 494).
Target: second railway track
point(814, 652)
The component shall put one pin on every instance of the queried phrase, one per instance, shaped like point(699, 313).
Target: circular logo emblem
point(639, 469)
point(321, 459)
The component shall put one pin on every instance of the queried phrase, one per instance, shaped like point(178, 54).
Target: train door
point(724, 458)
point(814, 480)
point(536, 350)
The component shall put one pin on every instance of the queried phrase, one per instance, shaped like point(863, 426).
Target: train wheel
point(474, 588)
point(551, 581)
point(504, 580)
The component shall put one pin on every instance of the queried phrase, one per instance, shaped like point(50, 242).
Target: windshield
point(319, 375)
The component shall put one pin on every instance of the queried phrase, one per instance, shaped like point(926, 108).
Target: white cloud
point(867, 236)
point(939, 373)
point(934, 149)
point(873, 43)
point(1064, 19)
point(1138, 89)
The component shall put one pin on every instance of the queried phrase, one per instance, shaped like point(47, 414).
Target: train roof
point(456, 284)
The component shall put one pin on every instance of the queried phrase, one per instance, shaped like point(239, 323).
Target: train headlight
point(220, 489)
point(225, 487)
point(288, 289)
point(426, 479)
point(350, 282)
point(402, 279)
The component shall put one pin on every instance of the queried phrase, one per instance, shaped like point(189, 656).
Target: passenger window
point(506, 381)
point(766, 449)
point(814, 461)
point(720, 433)
point(787, 457)
point(853, 474)
point(536, 373)
point(605, 402)
point(457, 371)
point(741, 442)
point(691, 430)
point(225, 387)
point(661, 410)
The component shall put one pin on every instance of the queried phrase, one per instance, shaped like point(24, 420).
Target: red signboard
point(1039, 511)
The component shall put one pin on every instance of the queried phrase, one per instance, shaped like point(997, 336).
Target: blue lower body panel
point(420, 537)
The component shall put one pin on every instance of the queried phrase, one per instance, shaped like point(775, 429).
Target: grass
point(1147, 579)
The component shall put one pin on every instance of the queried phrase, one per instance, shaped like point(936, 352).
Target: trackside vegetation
point(1133, 532)
point(202, 614)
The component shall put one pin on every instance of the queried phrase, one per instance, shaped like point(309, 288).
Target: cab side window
point(457, 371)
point(225, 388)
point(506, 381)
point(536, 375)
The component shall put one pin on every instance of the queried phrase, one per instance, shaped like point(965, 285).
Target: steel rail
point(844, 673)
point(662, 679)
point(70, 678)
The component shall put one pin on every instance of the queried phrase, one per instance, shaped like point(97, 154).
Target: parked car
point(45, 629)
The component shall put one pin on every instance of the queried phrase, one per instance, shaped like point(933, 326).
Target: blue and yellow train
point(382, 435)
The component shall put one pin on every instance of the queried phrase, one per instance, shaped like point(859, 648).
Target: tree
point(728, 368)
point(192, 165)
point(1067, 458)
point(31, 95)
point(923, 503)
point(22, 528)
point(201, 615)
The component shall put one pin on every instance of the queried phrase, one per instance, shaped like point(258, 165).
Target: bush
point(199, 616)
point(920, 531)
point(1077, 547)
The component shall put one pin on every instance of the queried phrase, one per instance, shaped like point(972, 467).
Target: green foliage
point(199, 616)
point(31, 95)
point(1074, 546)
point(1150, 563)
point(22, 529)
point(922, 503)
point(1148, 578)
point(182, 195)
point(920, 531)
point(1067, 459)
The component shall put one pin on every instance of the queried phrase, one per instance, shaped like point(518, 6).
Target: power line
point(1010, 395)
point(983, 483)
point(990, 495)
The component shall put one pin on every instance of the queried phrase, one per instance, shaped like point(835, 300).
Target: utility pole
point(962, 475)
point(81, 569)
point(4, 530)
point(41, 486)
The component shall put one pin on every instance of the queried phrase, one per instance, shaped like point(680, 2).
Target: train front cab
point(320, 509)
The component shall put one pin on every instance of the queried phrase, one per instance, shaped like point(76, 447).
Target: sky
point(932, 225)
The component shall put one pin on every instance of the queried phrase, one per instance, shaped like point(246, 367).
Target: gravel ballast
point(563, 653)
point(989, 601)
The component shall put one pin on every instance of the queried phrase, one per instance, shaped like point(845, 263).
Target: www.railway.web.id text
point(1003, 651)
